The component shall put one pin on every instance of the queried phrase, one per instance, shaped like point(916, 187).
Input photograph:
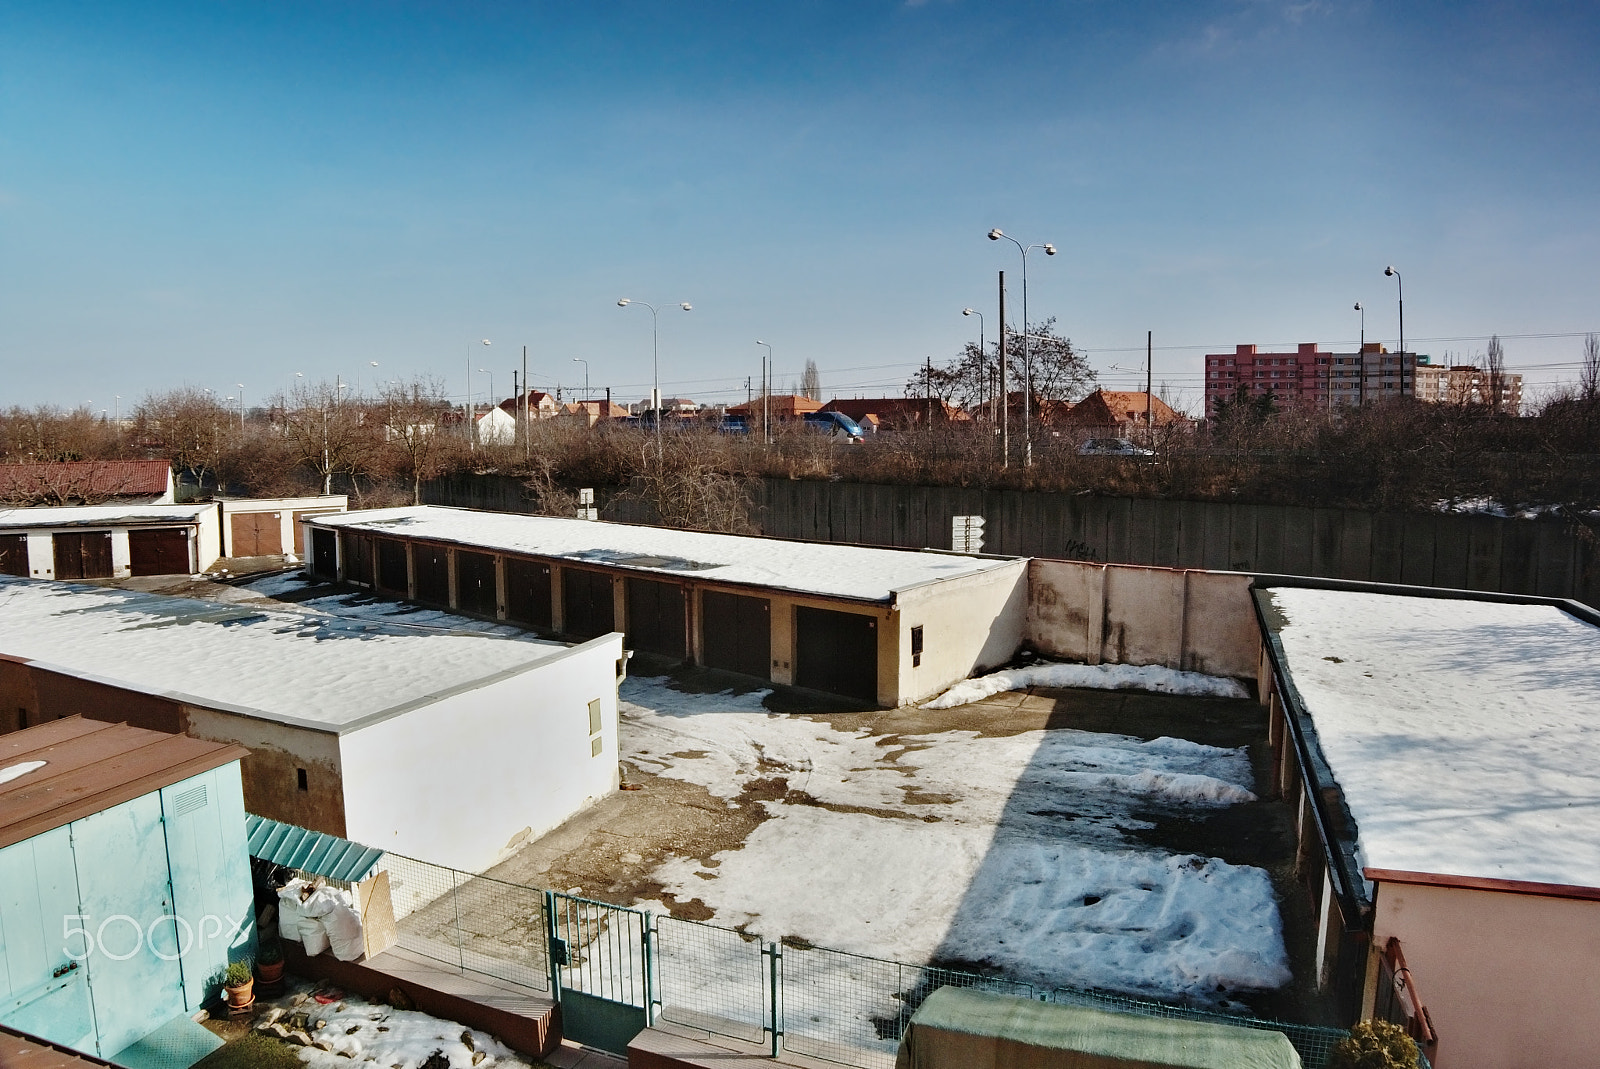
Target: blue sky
point(216, 193)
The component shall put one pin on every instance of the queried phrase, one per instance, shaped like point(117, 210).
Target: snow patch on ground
point(1009, 851)
point(368, 1033)
point(1151, 678)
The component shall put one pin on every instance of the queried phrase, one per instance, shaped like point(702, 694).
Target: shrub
point(1375, 1045)
point(238, 974)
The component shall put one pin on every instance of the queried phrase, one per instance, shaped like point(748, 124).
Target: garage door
point(299, 534)
point(13, 554)
point(475, 587)
point(324, 554)
point(656, 618)
point(355, 552)
point(83, 555)
point(836, 652)
point(586, 601)
point(159, 551)
point(737, 633)
point(393, 572)
point(528, 592)
point(432, 565)
point(255, 534)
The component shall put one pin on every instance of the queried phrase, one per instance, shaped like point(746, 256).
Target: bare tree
point(811, 382)
point(1495, 374)
point(191, 426)
point(413, 432)
point(1589, 376)
point(326, 433)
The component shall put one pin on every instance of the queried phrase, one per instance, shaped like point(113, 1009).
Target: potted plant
point(269, 964)
point(239, 984)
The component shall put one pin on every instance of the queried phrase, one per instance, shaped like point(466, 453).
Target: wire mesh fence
point(476, 923)
point(711, 978)
point(829, 1004)
point(852, 1009)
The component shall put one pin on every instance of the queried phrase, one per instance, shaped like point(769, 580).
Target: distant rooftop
point(1463, 733)
point(99, 515)
point(312, 670)
point(858, 572)
point(86, 478)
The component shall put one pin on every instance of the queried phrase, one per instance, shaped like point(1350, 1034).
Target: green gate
point(600, 968)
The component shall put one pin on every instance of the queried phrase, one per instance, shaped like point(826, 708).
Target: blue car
point(835, 423)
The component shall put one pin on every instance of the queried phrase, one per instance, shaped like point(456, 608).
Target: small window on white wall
point(916, 646)
point(595, 745)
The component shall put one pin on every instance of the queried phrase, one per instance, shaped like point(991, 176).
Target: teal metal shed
point(124, 880)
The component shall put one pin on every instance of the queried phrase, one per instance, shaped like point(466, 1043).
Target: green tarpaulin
point(962, 1029)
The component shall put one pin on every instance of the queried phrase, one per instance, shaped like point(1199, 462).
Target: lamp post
point(1402, 287)
point(983, 360)
point(240, 385)
point(585, 363)
point(1027, 351)
point(766, 391)
point(1361, 361)
point(655, 359)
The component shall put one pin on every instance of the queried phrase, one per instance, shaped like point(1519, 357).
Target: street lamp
point(1361, 361)
point(585, 363)
point(1402, 286)
point(983, 359)
point(241, 405)
point(655, 358)
point(1027, 351)
point(766, 391)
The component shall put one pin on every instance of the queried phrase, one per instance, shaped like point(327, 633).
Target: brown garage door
point(159, 551)
point(432, 566)
point(83, 555)
point(737, 633)
point(587, 608)
point(393, 570)
point(355, 553)
point(656, 619)
point(475, 586)
point(13, 554)
point(836, 652)
point(255, 534)
point(528, 592)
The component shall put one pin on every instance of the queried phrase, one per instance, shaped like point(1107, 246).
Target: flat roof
point(859, 572)
point(1464, 734)
point(55, 773)
point(100, 515)
point(312, 670)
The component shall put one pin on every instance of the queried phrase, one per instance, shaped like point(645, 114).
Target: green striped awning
point(310, 851)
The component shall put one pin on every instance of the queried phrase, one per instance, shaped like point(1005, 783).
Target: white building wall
point(207, 542)
point(467, 779)
point(969, 625)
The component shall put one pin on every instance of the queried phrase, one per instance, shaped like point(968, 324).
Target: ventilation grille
point(189, 801)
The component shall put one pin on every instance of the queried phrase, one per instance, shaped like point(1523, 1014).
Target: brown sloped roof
point(895, 409)
point(1104, 408)
point(78, 478)
point(778, 404)
point(90, 766)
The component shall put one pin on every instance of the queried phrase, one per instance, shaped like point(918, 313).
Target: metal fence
point(828, 1004)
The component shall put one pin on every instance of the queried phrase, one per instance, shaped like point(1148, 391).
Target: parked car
point(835, 423)
point(1113, 447)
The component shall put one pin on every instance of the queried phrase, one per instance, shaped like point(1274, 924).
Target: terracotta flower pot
point(269, 972)
point(242, 995)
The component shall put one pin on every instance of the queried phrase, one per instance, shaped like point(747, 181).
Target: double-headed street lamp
point(655, 358)
point(1027, 351)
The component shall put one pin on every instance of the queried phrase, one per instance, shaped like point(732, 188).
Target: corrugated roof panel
point(322, 855)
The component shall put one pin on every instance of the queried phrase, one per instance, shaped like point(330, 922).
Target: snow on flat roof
point(803, 567)
point(1465, 734)
point(100, 515)
point(311, 670)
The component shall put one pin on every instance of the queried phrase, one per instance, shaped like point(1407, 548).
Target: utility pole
point(1149, 403)
point(927, 383)
point(527, 438)
point(1005, 400)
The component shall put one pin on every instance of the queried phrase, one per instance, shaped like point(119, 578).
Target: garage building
point(448, 745)
point(880, 626)
point(262, 527)
point(109, 541)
